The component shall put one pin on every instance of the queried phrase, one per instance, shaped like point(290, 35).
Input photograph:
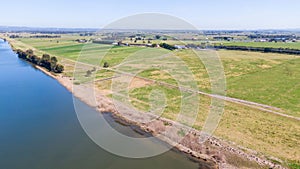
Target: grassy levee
point(267, 78)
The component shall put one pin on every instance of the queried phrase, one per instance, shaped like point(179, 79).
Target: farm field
point(249, 75)
point(289, 45)
point(271, 79)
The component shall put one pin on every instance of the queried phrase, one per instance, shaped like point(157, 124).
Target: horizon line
point(198, 29)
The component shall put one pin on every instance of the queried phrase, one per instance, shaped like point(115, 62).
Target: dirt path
point(258, 106)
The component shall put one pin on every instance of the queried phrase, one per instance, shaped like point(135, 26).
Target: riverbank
point(216, 152)
point(214, 149)
point(107, 106)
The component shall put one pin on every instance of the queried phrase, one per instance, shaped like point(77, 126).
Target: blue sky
point(209, 14)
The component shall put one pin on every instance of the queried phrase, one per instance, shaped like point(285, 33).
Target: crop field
point(267, 78)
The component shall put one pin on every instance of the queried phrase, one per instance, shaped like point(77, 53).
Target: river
point(39, 128)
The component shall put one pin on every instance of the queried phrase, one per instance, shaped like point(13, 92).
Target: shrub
point(105, 65)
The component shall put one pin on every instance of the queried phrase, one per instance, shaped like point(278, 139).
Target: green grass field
point(289, 45)
point(272, 79)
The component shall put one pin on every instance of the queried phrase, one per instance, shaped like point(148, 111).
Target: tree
point(21, 54)
point(53, 62)
point(45, 61)
point(46, 57)
point(29, 52)
point(167, 46)
point(33, 59)
point(157, 36)
point(58, 68)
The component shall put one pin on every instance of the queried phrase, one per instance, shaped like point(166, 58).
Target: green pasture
point(289, 45)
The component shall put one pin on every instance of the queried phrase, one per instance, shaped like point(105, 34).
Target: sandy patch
point(138, 83)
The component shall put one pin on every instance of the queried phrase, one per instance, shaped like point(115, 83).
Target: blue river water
point(39, 128)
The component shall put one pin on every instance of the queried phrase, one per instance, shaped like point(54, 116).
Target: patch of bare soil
point(138, 83)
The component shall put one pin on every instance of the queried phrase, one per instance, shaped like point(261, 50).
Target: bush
point(58, 68)
point(88, 73)
point(167, 46)
point(33, 59)
point(105, 65)
point(21, 54)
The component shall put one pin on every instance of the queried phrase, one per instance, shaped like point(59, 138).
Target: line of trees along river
point(46, 61)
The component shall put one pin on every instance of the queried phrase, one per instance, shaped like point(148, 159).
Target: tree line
point(167, 46)
point(261, 49)
point(48, 62)
point(45, 36)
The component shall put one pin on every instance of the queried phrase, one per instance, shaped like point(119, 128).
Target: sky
point(203, 14)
